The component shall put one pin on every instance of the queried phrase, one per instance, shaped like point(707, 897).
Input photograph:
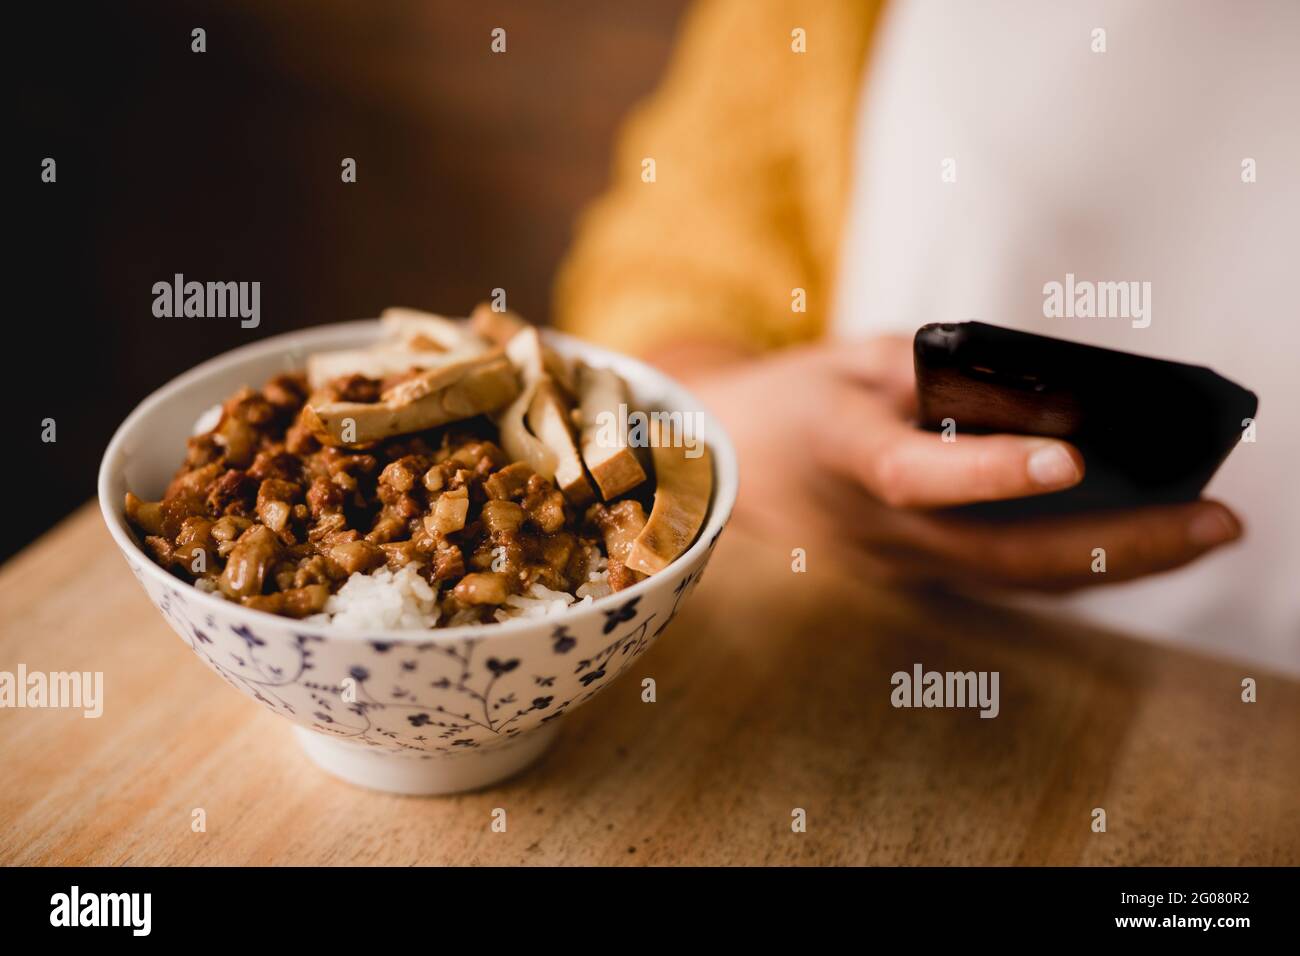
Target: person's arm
point(696, 270)
point(830, 455)
point(750, 145)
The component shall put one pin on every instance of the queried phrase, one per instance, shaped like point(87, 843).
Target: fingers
point(1063, 553)
point(865, 437)
point(883, 363)
point(905, 467)
point(880, 357)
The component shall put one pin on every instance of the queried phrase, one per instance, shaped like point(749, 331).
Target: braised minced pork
point(265, 514)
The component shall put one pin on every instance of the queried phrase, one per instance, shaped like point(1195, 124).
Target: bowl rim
point(726, 479)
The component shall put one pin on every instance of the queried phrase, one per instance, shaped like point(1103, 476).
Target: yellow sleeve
point(727, 185)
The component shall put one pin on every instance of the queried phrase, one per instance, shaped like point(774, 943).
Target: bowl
point(406, 711)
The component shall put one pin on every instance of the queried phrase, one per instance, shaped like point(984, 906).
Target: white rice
point(539, 601)
point(597, 585)
point(380, 600)
point(385, 599)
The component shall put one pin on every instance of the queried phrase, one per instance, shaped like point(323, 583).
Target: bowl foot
point(414, 775)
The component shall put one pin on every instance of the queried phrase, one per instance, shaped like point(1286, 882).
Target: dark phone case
point(1151, 431)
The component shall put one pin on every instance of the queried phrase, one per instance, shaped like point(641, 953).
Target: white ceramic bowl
point(424, 712)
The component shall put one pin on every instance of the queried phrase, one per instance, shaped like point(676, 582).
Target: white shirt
point(1123, 165)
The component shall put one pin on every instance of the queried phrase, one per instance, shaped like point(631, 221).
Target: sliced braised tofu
point(548, 419)
point(682, 489)
point(446, 394)
point(424, 330)
point(500, 328)
point(497, 327)
point(380, 361)
point(525, 351)
point(414, 340)
point(603, 403)
point(469, 377)
point(561, 373)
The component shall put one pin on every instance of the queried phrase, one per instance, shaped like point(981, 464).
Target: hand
point(828, 451)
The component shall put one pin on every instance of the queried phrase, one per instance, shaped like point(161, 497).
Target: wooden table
point(773, 694)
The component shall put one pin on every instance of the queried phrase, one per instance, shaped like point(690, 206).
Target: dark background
point(225, 166)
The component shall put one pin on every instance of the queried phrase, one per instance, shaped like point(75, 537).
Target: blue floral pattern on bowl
point(453, 691)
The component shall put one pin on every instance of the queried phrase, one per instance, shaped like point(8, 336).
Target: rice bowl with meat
point(447, 476)
point(374, 694)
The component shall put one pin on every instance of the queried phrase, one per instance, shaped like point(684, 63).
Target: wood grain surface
point(773, 694)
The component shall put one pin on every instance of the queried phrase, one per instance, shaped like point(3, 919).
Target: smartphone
point(1151, 431)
